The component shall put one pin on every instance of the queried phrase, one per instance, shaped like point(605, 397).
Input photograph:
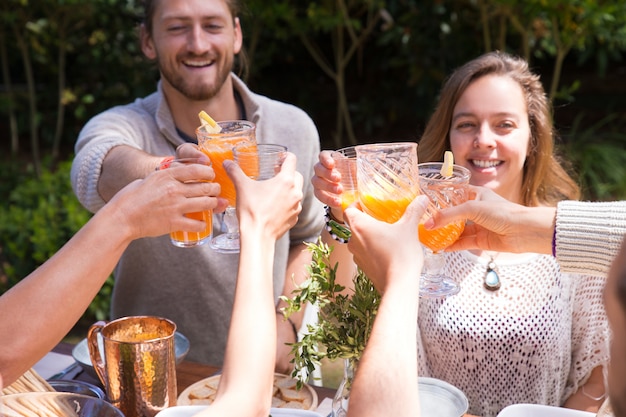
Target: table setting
point(67, 368)
point(135, 366)
point(190, 375)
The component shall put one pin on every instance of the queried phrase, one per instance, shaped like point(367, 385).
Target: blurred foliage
point(365, 70)
point(40, 215)
point(600, 164)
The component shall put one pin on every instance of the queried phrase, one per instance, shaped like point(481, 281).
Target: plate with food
point(285, 394)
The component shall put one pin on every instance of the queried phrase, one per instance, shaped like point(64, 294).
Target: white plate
point(440, 399)
point(204, 391)
point(190, 410)
point(81, 352)
point(536, 410)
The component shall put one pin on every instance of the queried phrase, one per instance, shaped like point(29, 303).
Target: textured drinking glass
point(345, 163)
point(219, 147)
point(443, 192)
point(259, 161)
point(138, 370)
point(387, 178)
point(184, 239)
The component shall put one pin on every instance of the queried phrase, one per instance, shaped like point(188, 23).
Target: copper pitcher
point(139, 366)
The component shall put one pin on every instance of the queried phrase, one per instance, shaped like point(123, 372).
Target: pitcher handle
point(94, 350)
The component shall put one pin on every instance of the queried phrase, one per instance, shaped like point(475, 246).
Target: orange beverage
point(219, 147)
point(183, 239)
point(248, 159)
point(217, 140)
point(348, 197)
point(345, 163)
point(438, 239)
point(388, 209)
point(443, 192)
point(220, 150)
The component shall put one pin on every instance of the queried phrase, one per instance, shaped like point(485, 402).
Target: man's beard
point(195, 92)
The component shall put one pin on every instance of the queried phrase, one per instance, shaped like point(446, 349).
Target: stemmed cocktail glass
point(219, 147)
point(443, 191)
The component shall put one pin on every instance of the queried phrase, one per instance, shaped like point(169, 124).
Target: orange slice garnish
point(208, 123)
point(448, 164)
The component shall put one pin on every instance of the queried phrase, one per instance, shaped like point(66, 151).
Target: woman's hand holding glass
point(278, 199)
point(327, 181)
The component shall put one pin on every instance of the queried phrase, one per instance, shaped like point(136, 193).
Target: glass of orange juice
point(219, 147)
point(443, 191)
point(186, 239)
point(387, 178)
point(345, 163)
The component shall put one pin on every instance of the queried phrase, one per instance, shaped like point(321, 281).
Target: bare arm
point(386, 378)
point(40, 310)
point(124, 164)
point(328, 190)
point(299, 256)
point(587, 234)
point(266, 210)
point(499, 225)
point(591, 395)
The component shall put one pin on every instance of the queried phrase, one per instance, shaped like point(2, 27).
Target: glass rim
point(390, 145)
point(271, 147)
point(348, 152)
point(193, 160)
point(463, 172)
point(245, 126)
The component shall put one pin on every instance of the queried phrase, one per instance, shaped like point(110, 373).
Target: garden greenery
point(365, 70)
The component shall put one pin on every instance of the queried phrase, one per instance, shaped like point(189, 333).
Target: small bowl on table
point(441, 399)
point(77, 387)
point(60, 404)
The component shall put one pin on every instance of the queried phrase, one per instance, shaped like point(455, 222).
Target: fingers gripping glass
point(183, 238)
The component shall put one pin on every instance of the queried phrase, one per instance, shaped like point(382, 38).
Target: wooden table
point(188, 373)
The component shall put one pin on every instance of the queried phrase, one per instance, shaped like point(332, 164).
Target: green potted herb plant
point(345, 320)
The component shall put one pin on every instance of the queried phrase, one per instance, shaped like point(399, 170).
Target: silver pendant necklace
point(492, 279)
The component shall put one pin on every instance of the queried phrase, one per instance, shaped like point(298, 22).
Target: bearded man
point(195, 44)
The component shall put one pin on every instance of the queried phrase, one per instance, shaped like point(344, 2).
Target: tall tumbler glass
point(345, 163)
point(219, 147)
point(183, 238)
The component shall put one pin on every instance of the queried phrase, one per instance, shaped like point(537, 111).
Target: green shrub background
point(40, 214)
point(370, 74)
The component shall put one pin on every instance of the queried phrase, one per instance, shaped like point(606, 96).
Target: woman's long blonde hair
point(545, 182)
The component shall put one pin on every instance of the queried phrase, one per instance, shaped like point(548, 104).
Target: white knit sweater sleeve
point(589, 235)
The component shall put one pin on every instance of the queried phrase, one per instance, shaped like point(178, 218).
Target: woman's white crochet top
point(535, 340)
